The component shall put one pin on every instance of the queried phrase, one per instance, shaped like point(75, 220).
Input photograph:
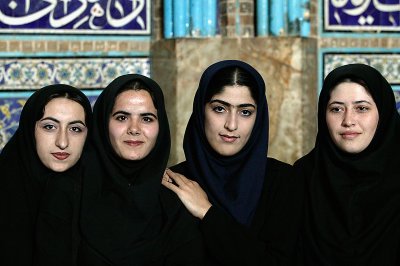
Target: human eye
point(362, 108)
point(148, 119)
point(335, 109)
point(218, 109)
point(48, 127)
point(121, 118)
point(246, 112)
point(77, 129)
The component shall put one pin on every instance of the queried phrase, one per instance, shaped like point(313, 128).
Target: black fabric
point(352, 212)
point(271, 237)
point(233, 183)
point(127, 218)
point(26, 185)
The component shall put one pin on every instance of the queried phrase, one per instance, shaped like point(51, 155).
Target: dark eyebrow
point(77, 122)
point(149, 114)
point(128, 114)
point(355, 102)
point(336, 102)
point(58, 121)
point(121, 113)
point(50, 118)
point(228, 104)
point(362, 101)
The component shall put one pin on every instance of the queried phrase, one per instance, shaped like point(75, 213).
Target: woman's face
point(352, 117)
point(133, 125)
point(60, 134)
point(229, 119)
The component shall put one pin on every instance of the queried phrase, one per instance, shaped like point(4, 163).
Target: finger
point(170, 185)
point(178, 178)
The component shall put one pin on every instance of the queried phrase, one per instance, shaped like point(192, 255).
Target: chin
point(227, 153)
point(59, 169)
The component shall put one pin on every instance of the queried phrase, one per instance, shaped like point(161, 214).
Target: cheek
point(210, 123)
point(114, 130)
point(41, 142)
point(80, 141)
point(331, 123)
point(152, 132)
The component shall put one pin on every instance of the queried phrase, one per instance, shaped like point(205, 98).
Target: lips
point(61, 155)
point(349, 135)
point(228, 138)
point(133, 142)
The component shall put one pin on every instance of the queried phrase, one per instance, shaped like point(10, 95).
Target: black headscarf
point(25, 180)
point(233, 183)
point(353, 206)
point(124, 220)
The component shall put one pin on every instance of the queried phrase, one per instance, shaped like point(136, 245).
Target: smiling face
point(60, 134)
point(229, 119)
point(133, 125)
point(352, 117)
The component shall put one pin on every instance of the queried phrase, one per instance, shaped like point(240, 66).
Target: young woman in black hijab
point(352, 210)
point(40, 184)
point(254, 203)
point(127, 217)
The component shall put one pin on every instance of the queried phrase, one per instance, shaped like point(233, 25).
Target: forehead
point(63, 106)
point(349, 91)
point(134, 97)
point(235, 94)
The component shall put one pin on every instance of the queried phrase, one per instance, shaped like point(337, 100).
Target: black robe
point(271, 238)
point(38, 207)
point(352, 210)
point(127, 218)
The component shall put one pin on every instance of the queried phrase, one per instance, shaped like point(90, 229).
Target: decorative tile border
point(387, 64)
point(75, 17)
point(11, 104)
point(28, 74)
point(358, 16)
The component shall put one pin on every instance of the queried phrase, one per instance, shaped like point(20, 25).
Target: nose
point(134, 128)
point(62, 139)
point(348, 119)
point(231, 122)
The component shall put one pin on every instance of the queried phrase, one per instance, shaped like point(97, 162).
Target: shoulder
point(180, 168)
point(283, 175)
point(305, 163)
point(276, 166)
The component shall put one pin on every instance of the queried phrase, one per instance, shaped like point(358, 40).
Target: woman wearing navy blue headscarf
point(250, 204)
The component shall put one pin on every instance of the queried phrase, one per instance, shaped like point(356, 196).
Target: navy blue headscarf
point(233, 183)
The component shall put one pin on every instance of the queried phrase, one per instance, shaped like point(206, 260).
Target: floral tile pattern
point(387, 64)
point(28, 74)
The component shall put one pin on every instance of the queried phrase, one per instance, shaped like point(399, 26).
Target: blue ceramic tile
point(76, 17)
point(379, 15)
point(93, 73)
